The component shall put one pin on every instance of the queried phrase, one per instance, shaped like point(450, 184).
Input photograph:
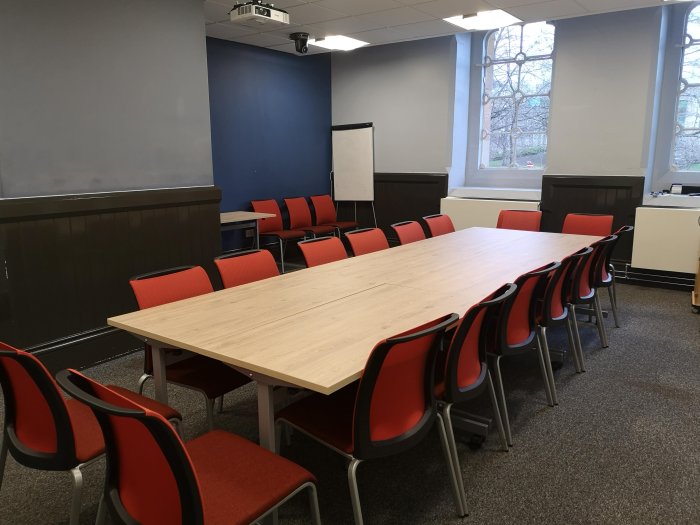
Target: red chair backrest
point(367, 240)
point(167, 286)
point(299, 212)
point(324, 209)
point(395, 405)
point(527, 220)
point(37, 422)
point(270, 224)
point(439, 224)
point(517, 318)
point(246, 267)
point(149, 473)
point(587, 224)
point(581, 287)
point(465, 363)
point(408, 231)
point(602, 250)
point(557, 290)
point(322, 250)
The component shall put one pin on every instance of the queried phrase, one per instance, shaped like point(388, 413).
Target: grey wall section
point(603, 89)
point(407, 91)
point(102, 95)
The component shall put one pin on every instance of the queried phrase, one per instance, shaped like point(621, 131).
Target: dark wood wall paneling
point(611, 195)
point(399, 197)
point(67, 260)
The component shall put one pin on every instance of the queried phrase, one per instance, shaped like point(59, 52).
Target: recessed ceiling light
point(484, 20)
point(338, 43)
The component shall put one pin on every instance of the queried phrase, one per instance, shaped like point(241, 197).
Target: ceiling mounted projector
point(255, 14)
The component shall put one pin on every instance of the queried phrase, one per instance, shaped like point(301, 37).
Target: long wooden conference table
point(315, 328)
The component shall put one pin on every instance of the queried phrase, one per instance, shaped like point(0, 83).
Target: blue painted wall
point(270, 123)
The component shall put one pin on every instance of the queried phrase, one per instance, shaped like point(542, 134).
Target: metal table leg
point(161, 386)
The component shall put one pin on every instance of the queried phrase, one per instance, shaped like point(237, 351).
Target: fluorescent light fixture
point(338, 43)
point(484, 20)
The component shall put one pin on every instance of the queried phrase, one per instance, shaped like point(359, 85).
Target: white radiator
point(467, 213)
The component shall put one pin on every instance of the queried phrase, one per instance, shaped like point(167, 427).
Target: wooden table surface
point(316, 327)
point(243, 216)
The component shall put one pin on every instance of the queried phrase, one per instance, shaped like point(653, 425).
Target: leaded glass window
point(686, 146)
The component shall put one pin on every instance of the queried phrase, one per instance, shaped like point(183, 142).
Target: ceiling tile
point(603, 6)
point(262, 40)
point(447, 8)
point(425, 29)
point(383, 36)
point(548, 10)
point(227, 31)
point(311, 14)
point(397, 17)
point(358, 7)
point(216, 12)
point(344, 26)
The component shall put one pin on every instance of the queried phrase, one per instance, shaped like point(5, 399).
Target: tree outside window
point(517, 78)
point(686, 147)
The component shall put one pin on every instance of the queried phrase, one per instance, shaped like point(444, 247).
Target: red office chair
point(439, 224)
point(527, 220)
point(326, 215)
point(554, 310)
point(388, 411)
point(584, 292)
point(587, 224)
point(154, 478)
point(273, 226)
point(516, 333)
point(607, 278)
point(45, 431)
point(462, 373)
point(300, 218)
point(408, 231)
point(209, 377)
point(239, 268)
point(322, 250)
point(367, 240)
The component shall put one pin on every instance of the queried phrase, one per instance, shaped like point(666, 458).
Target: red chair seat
point(343, 225)
point(285, 234)
point(323, 229)
point(335, 427)
point(238, 496)
point(88, 436)
point(212, 377)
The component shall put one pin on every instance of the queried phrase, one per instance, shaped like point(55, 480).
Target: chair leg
point(354, 493)
point(142, 381)
point(210, 412)
point(496, 411)
point(599, 320)
point(3, 457)
point(77, 492)
point(101, 511)
point(548, 363)
point(543, 371)
point(282, 255)
point(577, 335)
point(572, 345)
point(449, 449)
point(501, 395)
point(313, 503)
point(613, 306)
point(221, 404)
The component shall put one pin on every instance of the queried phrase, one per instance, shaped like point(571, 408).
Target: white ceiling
point(388, 21)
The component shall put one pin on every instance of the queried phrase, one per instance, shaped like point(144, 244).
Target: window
point(686, 145)
point(517, 78)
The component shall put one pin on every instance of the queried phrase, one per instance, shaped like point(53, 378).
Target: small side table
point(243, 220)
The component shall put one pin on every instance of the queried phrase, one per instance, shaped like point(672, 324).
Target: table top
point(243, 216)
point(316, 327)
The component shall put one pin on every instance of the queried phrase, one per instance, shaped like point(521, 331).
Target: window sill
point(508, 194)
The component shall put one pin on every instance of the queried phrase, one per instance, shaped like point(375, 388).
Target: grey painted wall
point(407, 90)
point(603, 89)
point(102, 95)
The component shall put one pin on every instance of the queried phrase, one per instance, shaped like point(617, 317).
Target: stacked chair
point(326, 214)
point(274, 227)
point(300, 218)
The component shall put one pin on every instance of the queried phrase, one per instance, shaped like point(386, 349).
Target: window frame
point(663, 174)
point(521, 178)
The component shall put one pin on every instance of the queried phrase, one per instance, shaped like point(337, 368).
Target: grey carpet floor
point(622, 446)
